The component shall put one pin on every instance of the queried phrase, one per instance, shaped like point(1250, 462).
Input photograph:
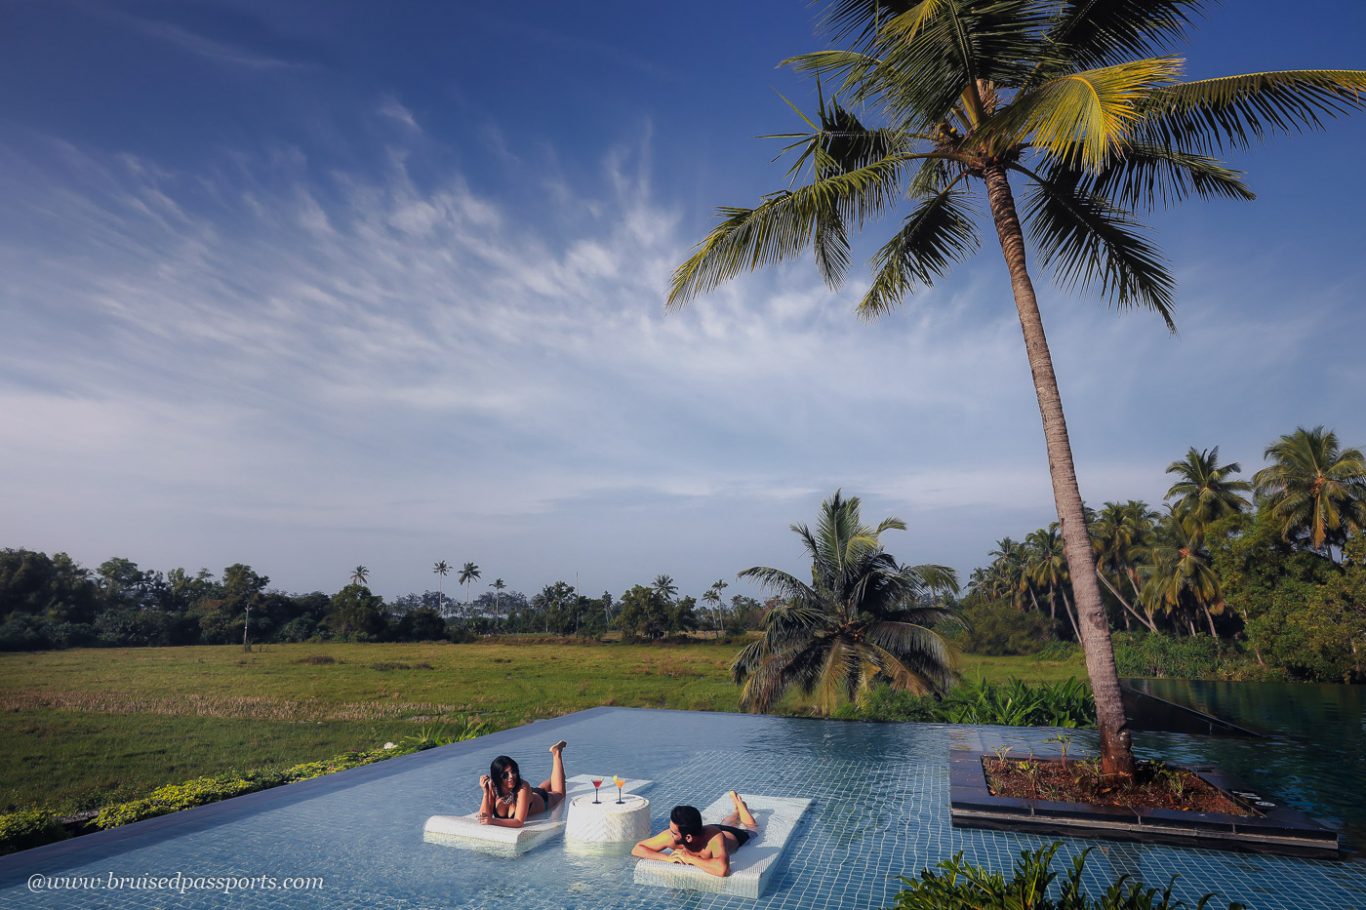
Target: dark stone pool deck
point(1273, 828)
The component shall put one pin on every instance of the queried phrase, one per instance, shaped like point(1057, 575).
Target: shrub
point(998, 629)
point(958, 885)
point(1058, 650)
point(1191, 657)
point(174, 797)
point(202, 790)
point(1013, 704)
point(29, 828)
point(1017, 704)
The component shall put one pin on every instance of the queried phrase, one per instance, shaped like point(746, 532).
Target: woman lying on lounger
point(708, 847)
point(509, 801)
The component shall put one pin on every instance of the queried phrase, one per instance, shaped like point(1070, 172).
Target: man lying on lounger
point(708, 847)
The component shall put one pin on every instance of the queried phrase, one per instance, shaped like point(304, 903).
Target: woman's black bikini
point(543, 793)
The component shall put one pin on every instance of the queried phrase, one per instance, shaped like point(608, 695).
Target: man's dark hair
point(688, 820)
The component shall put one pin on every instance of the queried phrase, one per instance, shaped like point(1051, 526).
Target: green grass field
point(83, 728)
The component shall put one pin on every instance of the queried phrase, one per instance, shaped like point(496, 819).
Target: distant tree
point(713, 599)
point(1178, 577)
point(468, 572)
point(665, 587)
point(220, 616)
point(683, 615)
point(1121, 535)
point(1046, 566)
point(863, 618)
point(643, 613)
point(441, 570)
point(1204, 493)
point(357, 614)
point(498, 585)
point(1316, 491)
point(360, 575)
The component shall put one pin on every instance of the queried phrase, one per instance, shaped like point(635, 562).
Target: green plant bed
point(955, 884)
point(1013, 703)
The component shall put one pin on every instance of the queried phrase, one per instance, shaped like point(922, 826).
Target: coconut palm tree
point(1119, 533)
point(497, 585)
point(441, 570)
point(713, 597)
point(1204, 493)
point(862, 618)
point(1007, 579)
point(1178, 577)
point(1059, 94)
point(468, 572)
point(1046, 566)
point(1316, 491)
point(665, 587)
point(360, 575)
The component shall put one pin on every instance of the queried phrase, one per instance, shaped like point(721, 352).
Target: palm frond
point(1088, 242)
point(848, 69)
point(1207, 115)
point(1080, 118)
point(1143, 176)
point(1092, 33)
point(930, 54)
point(780, 582)
point(938, 233)
point(933, 578)
point(784, 225)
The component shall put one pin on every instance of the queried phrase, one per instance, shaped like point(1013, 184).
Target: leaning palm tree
point(1316, 491)
point(360, 575)
point(1059, 94)
point(1119, 534)
point(468, 572)
point(1204, 493)
point(863, 618)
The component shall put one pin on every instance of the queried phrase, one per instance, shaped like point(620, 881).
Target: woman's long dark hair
point(501, 764)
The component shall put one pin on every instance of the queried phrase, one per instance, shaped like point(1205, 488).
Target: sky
point(319, 284)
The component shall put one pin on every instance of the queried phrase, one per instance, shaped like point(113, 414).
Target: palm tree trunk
point(1209, 618)
point(1071, 614)
point(1152, 626)
point(1116, 747)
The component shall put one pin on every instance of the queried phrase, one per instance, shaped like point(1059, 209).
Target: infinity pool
point(880, 810)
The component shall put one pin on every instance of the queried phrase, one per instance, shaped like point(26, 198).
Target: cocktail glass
point(620, 783)
point(597, 782)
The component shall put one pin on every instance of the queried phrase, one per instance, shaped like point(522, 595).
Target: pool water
point(1313, 755)
point(880, 810)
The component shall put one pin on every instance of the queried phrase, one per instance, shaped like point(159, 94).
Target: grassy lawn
point(83, 728)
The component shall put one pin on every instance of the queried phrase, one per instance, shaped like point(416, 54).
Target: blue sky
point(315, 284)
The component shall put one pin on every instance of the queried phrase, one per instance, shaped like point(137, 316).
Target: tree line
point(1275, 565)
point(54, 602)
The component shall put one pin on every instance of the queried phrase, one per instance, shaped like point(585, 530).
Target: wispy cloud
point(298, 368)
point(211, 49)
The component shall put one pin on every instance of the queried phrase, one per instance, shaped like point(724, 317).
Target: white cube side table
point(605, 826)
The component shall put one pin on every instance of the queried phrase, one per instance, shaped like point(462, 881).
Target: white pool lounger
point(464, 831)
point(752, 866)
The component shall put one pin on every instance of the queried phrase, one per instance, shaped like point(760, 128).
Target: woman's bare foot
point(559, 746)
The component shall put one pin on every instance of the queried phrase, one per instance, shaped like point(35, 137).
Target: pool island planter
point(1272, 828)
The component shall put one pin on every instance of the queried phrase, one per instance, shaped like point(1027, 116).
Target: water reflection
point(1314, 753)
